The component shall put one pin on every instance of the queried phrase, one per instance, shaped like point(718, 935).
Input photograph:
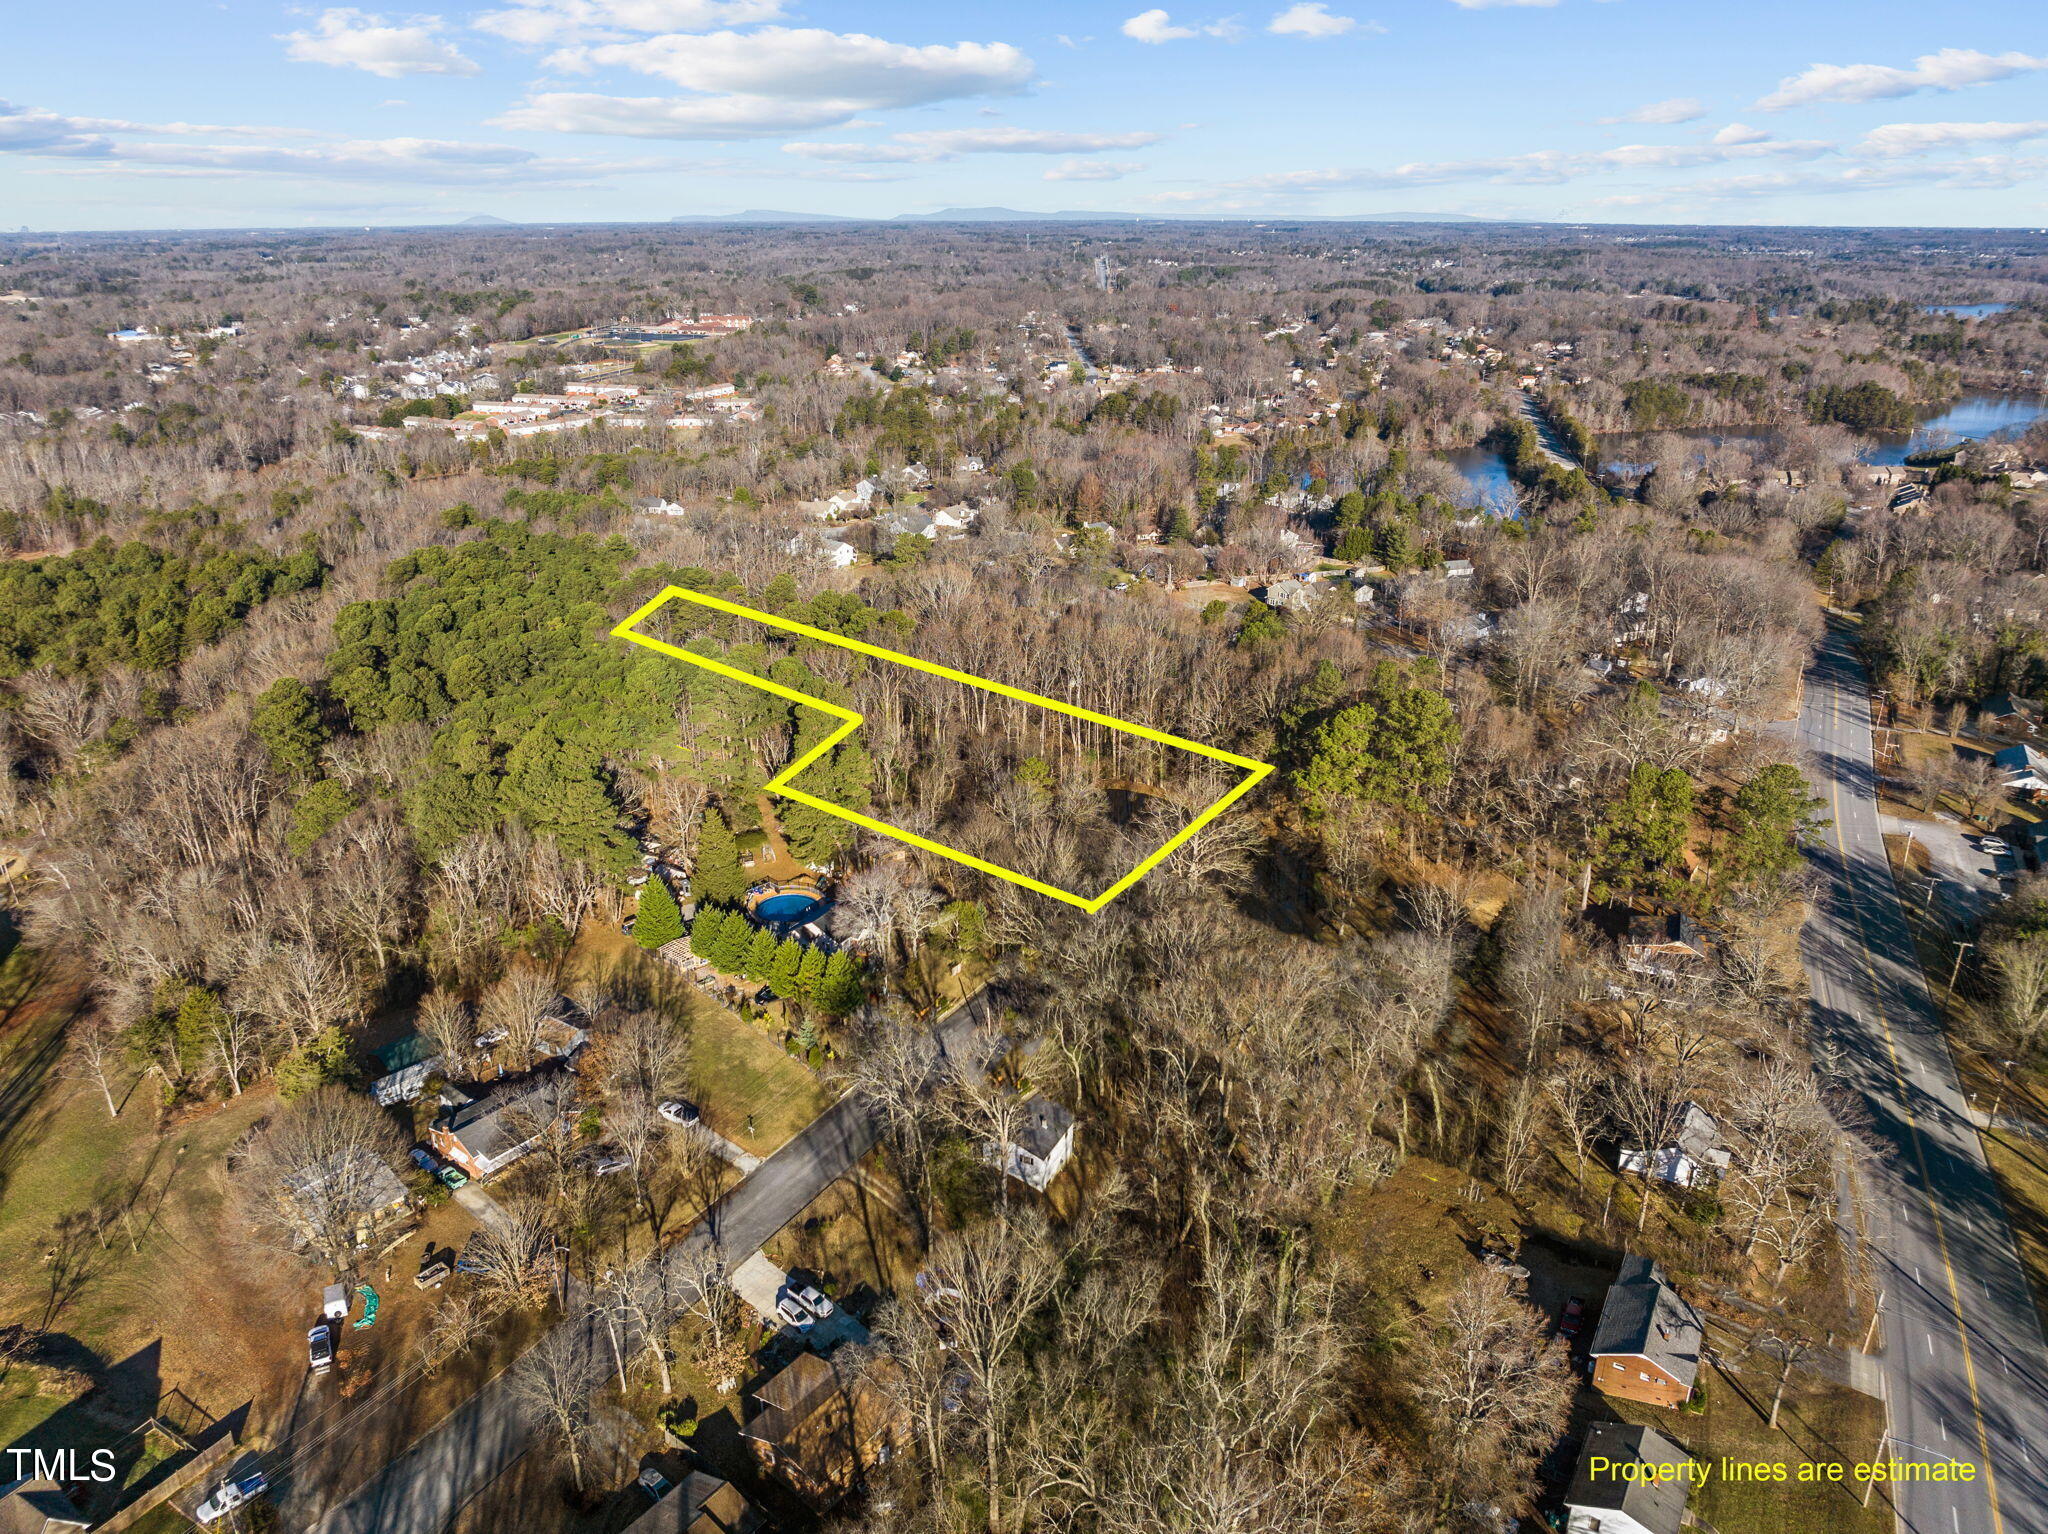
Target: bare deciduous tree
point(312, 1178)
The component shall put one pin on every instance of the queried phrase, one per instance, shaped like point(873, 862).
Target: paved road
point(1964, 1367)
point(421, 1490)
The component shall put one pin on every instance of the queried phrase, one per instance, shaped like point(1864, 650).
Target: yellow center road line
point(1955, 1294)
point(781, 785)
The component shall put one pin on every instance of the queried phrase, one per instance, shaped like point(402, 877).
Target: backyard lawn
point(739, 1070)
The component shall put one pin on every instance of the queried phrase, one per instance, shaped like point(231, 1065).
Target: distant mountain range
point(487, 220)
point(1063, 216)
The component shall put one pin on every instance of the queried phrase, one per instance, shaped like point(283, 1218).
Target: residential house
point(1695, 1153)
point(817, 1429)
point(549, 425)
point(1041, 1145)
point(1647, 1346)
point(2011, 716)
point(1293, 595)
point(488, 1132)
point(38, 1506)
point(601, 391)
point(658, 506)
point(702, 1504)
point(2026, 770)
point(1631, 1480)
point(1663, 944)
point(1458, 570)
point(918, 523)
point(1632, 618)
point(833, 552)
point(351, 1189)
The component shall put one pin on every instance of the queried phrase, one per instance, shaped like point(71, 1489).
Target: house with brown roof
point(1647, 1345)
point(703, 1504)
point(817, 1428)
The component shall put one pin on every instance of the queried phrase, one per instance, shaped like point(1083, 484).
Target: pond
point(1968, 311)
point(1487, 473)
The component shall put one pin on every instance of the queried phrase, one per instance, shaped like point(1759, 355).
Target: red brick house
point(1647, 1346)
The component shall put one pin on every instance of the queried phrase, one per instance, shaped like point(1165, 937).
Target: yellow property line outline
point(780, 784)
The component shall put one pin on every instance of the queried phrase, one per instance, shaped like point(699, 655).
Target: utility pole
point(1998, 1094)
point(1954, 973)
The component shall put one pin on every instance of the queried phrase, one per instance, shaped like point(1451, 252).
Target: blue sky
point(208, 113)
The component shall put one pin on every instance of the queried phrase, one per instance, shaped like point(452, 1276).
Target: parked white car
point(812, 1301)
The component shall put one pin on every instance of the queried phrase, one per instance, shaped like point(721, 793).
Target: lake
point(1968, 311)
point(1979, 415)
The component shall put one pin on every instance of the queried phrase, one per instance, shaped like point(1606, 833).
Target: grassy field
point(2022, 1169)
point(1820, 1424)
point(110, 1232)
point(740, 1072)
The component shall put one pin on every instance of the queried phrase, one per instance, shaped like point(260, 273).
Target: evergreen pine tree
point(733, 938)
point(1353, 545)
point(785, 972)
point(812, 972)
point(843, 987)
point(287, 721)
point(716, 874)
point(659, 920)
point(1639, 848)
point(707, 932)
point(760, 957)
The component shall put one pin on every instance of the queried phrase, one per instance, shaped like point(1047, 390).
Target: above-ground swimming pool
point(788, 908)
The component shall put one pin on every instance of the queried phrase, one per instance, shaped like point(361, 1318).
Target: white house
point(658, 505)
point(1630, 1480)
point(832, 551)
point(1042, 1144)
point(1694, 1155)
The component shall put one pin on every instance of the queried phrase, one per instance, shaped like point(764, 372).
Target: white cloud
point(1155, 26)
point(1092, 170)
point(1951, 69)
point(775, 80)
point(808, 64)
point(1312, 18)
point(1539, 167)
point(410, 160)
point(1977, 173)
point(671, 117)
point(537, 22)
point(1741, 133)
point(350, 39)
point(1679, 109)
point(31, 129)
point(933, 144)
point(1894, 140)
